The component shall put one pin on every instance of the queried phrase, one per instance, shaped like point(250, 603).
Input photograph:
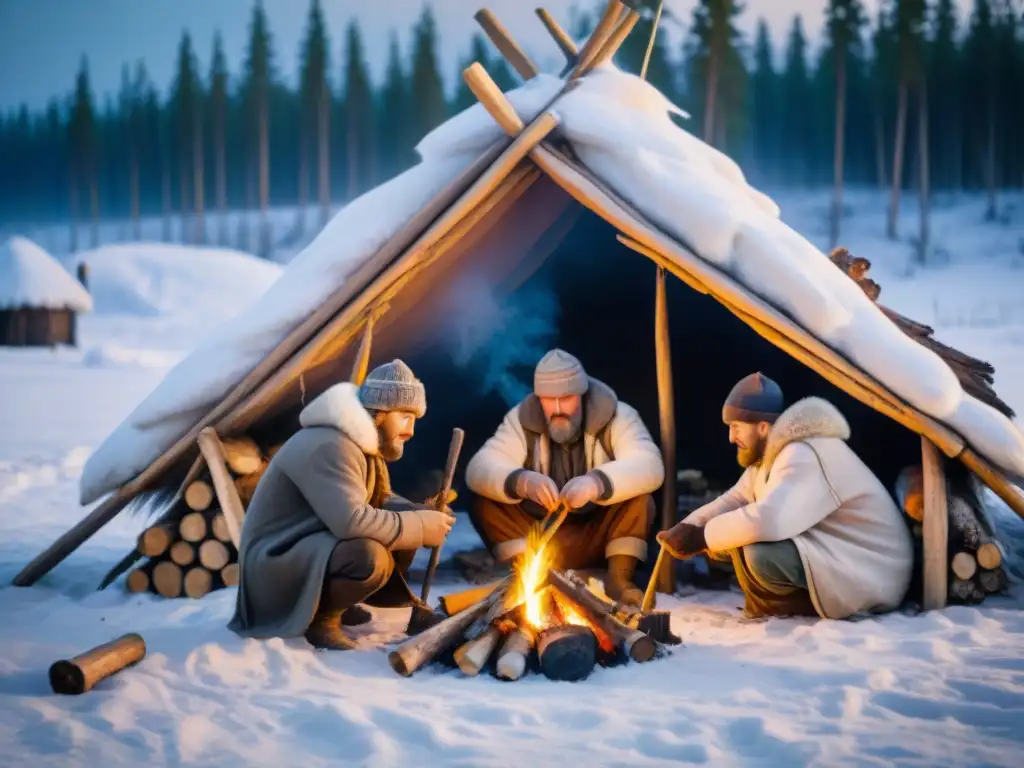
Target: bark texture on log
point(992, 581)
point(567, 652)
point(81, 673)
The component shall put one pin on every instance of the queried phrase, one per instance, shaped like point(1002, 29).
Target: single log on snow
point(155, 540)
point(198, 495)
point(182, 553)
point(992, 581)
point(473, 655)
point(567, 652)
point(213, 555)
point(167, 579)
point(193, 527)
point(963, 565)
point(242, 455)
point(229, 575)
point(137, 581)
point(417, 651)
point(197, 582)
point(515, 652)
point(81, 673)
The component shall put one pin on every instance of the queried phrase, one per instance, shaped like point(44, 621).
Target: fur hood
point(599, 404)
point(339, 407)
point(804, 419)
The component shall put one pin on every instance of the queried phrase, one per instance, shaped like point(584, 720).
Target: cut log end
point(182, 553)
point(137, 581)
point(197, 582)
point(992, 581)
point(229, 575)
point(219, 528)
point(989, 556)
point(192, 527)
point(963, 565)
point(155, 540)
point(198, 495)
point(213, 555)
point(81, 673)
point(242, 455)
point(567, 653)
point(167, 579)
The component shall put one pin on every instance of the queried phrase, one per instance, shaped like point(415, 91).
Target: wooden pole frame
point(935, 525)
point(503, 41)
point(667, 420)
point(562, 40)
point(227, 494)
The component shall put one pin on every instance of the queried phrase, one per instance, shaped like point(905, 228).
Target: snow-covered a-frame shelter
point(39, 299)
point(487, 205)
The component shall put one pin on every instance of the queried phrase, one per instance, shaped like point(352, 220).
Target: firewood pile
point(189, 551)
point(975, 557)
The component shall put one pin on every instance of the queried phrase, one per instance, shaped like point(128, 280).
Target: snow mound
point(30, 277)
point(116, 356)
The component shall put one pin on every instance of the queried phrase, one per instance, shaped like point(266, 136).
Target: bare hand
point(538, 488)
point(581, 490)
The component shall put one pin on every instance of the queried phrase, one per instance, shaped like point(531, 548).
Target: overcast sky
point(41, 41)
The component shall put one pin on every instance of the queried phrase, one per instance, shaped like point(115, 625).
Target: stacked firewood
point(189, 551)
point(975, 559)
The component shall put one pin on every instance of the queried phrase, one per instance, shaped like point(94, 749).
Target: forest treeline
point(915, 97)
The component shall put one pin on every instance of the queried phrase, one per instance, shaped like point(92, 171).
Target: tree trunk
point(897, 161)
point(924, 191)
point(264, 137)
point(880, 145)
point(990, 158)
point(197, 179)
point(710, 98)
point(324, 153)
point(838, 156)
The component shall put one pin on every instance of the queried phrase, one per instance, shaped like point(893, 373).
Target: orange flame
point(531, 569)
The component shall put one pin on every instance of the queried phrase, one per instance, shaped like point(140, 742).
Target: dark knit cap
point(755, 398)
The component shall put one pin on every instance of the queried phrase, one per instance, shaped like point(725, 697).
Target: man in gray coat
point(324, 531)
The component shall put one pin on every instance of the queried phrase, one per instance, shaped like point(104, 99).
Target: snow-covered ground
point(941, 689)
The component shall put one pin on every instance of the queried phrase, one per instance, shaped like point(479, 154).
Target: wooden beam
point(605, 27)
point(508, 47)
point(990, 476)
point(494, 101)
point(615, 40)
point(562, 40)
point(667, 420)
point(361, 366)
point(223, 484)
point(935, 525)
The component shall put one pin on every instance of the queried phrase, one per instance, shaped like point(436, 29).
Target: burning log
point(963, 565)
point(81, 673)
point(242, 455)
point(417, 651)
point(460, 601)
point(471, 657)
point(567, 652)
point(198, 495)
point(638, 646)
point(515, 652)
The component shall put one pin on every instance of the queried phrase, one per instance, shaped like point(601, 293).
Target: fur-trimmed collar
point(804, 419)
point(339, 407)
point(599, 404)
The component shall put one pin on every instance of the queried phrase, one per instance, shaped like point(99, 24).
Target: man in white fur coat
point(809, 528)
point(324, 531)
point(572, 441)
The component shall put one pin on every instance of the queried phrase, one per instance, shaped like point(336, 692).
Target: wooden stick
point(137, 581)
point(192, 527)
point(361, 366)
point(198, 495)
point(81, 673)
point(454, 448)
point(167, 579)
point(936, 527)
point(227, 495)
point(562, 40)
point(963, 565)
point(213, 555)
point(650, 42)
point(229, 574)
point(457, 602)
point(665, 569)
point(652, 583)
point(473, 655)
point(417, 651)
point(605, 27)
point(611, 46)
point(508, 47)
point(155, 540)
point(515, 652)
point(494, 101)
point(182, 553)
point(198, 582)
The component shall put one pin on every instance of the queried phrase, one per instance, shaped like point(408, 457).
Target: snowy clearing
point(941, 689)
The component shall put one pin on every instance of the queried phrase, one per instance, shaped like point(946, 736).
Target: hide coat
point(327, 483)
point(810, 487)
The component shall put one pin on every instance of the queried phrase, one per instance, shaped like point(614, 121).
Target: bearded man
point(809, 528)
point(324, 531)
point(574, 442)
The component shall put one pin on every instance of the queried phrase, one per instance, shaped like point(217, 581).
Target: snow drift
point(621, 128)
point(30, 277)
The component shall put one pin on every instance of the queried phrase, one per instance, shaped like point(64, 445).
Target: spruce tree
point(393, 115)
point(315, 105)
point(464, 98)
point(797, 95)
point(359, 139)
point(427, 102)
point(715, 69)
point(766, 107)
point(84, 171)
point(943, 63)
point(219, 125)
point(186, 95)
point(882, 83)
point(259, 77)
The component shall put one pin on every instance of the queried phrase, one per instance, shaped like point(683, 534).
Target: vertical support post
point(667, 417)
point(935, 526)
point(361, 366)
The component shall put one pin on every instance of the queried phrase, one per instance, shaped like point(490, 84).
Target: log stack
point(189, 552)
point(975, 557)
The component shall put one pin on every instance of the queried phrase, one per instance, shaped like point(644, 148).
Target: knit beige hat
point(393, 387)
point(559, 374)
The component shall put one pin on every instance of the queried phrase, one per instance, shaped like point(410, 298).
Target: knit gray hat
point(755, 398)
point(559, 374)
point(393, 387)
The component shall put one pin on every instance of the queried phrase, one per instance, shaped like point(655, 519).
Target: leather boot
point(355, 616)
point(325, 632)
point(619, 584)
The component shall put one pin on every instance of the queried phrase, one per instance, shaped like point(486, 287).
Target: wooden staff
point(81, 673)
point(652, 583)
point(454, 448)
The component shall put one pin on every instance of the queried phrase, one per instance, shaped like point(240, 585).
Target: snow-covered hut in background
point(39, 299)
point(496, 193)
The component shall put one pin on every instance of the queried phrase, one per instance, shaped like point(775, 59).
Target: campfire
point(537, 618)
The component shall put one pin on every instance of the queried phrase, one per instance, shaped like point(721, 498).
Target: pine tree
point(131, 112)
point(315, 112)
point(427, 101)
point(393, 115)
point(82, 128)
point(944, 64)
point(797, 94)
point(259, 71)
point(464, 98)
point(218, 123)
point(187, 100)
point(765, 92)
point(908, 27)
point(844, 20)
point(883, 64)
point(715, 68)
point(358, 115)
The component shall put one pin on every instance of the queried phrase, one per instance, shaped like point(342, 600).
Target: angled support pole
point(508, 47)
point(604, 29)
point(562, 40)
point(935, 534)
point(227, 494)
point(615, 40)
point(361, 366)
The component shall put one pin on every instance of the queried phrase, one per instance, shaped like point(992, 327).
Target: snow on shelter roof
point(32, 278)
point(621, 129)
